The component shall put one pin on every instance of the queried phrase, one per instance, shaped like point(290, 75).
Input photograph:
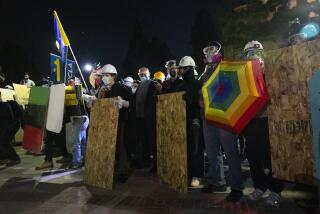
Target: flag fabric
point(60, 34)
point(57, 65)
point(61, 37)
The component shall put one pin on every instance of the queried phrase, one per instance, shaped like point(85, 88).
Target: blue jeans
point(215, 138)
point(79, 136)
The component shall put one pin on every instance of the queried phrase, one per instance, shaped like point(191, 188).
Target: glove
point(120, 103)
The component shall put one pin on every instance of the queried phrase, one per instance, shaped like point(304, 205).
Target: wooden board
point(314, 90)
point(172, 141)
point(287, 73)
point(101, 146)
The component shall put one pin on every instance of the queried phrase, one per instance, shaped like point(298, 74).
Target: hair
point(144, 69)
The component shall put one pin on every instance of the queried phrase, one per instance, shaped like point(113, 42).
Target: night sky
point(97, 30)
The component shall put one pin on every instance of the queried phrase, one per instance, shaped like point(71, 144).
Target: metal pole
point(75, 59)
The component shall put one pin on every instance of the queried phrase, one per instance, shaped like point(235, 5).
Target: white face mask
point(106, 80)
point(144, 78)
point(134, 89)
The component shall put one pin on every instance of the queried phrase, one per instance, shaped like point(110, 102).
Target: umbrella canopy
point(234, 94)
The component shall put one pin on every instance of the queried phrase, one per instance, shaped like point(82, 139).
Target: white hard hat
point(253, 45)
point(171, 63)
point(187, 61)
point(109, 69)
point(128, 79)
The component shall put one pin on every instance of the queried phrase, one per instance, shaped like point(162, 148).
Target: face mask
point(144, 78)
point(106, 80)
point(188, 75)
point(173, 74)
point(134, 90)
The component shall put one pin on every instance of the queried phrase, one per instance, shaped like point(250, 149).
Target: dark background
point(130, 34)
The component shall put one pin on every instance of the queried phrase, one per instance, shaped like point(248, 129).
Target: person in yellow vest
point(76, 115)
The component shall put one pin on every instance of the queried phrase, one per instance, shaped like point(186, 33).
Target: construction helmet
point(108, 69)
point(128, 81)
point(253, 45)
point(171, 63)
point(159, 75)
point(187, 61)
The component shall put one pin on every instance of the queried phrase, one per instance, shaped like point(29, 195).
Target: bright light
point(310, 30)
point(88, 67)
point(58, 45)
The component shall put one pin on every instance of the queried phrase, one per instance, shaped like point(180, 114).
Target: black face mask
point(173, 74)
point(188, 75)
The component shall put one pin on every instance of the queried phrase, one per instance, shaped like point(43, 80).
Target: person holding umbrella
point(217, 138)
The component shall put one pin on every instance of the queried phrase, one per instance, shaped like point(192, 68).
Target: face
point(144, 74)
point(108, 79)
point(26, 76)
point(71, 82)
point(173, 71)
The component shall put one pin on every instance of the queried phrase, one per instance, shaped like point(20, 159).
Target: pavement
point(25, 190)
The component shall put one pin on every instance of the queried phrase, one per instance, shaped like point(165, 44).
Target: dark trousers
point(259, 155)
point(7, 134)
point(60, 140)
point(146, 132)
point(195, 150)
point(122, 164)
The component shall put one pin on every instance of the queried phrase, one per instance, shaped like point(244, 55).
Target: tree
point(142, 52)
point(15, 63)
point(137, 55)
point(203, 31)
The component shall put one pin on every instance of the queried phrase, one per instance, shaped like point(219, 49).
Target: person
point(111, 88)
point(11, 120)
point(258, 146)
point(215, 180)
point(173, 82)
point(128, 81)
point(145, 108)
point(217, 138)
point(27, 81)
point(77, 117)
point(194, 148)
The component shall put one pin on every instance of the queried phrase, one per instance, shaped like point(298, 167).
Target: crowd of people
point(136, 141)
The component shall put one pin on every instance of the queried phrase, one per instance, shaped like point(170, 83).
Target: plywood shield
point(287, 73)
point(172, 141)
point(101, 146)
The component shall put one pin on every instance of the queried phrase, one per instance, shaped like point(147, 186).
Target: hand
point(158, 87)
point(121, 103)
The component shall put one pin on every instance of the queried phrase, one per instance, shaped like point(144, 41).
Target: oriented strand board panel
point(101, 146)
point(172, 141)
point(287, 73)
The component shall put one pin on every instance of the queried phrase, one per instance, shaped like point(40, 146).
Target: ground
point(24, 190)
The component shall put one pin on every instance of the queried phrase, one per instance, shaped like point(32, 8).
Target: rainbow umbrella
point(234, 93)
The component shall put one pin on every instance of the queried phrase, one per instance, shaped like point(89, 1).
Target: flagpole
point(75, 59)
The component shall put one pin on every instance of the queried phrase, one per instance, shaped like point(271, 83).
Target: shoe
point(256, 194)
point(2, 166)
point(63, 160)
point(13, 162)
point(45, 165)
point(195, 182)
point(274, 199)
point(213, 188)
point(4, 161)
point(234, 196)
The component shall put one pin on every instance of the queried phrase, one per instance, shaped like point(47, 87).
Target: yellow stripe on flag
point(63, 34)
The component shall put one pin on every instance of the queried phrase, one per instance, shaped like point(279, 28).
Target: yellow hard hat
point(159, 75)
